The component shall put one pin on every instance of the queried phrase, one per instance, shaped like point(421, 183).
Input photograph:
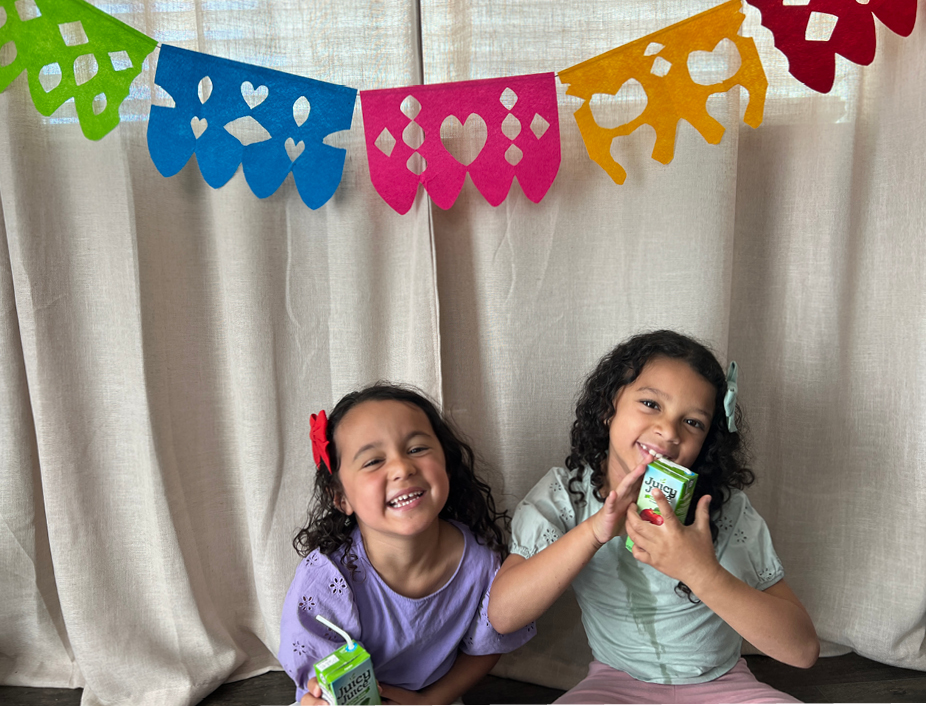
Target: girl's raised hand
point(682, 553)
point(608, 522)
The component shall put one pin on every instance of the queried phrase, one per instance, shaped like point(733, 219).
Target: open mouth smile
point(406, 499)
point(652, 451)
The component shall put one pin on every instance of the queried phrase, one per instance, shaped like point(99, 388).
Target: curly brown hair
point(469, 501)
point(721, 464)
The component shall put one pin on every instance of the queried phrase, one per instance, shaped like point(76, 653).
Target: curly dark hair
point(721, 464)
point(469, 501)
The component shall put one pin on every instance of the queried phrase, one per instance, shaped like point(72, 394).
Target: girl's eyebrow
point(666, 396)
point(658, 393)
point(413, 434)
point(377, 444)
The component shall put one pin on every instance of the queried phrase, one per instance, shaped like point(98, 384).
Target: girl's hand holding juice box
point(676, 482)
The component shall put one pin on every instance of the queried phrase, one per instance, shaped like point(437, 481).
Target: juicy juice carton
point(346, 675)
point(676, 482)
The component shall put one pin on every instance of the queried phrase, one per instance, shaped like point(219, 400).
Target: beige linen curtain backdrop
point(162, 344)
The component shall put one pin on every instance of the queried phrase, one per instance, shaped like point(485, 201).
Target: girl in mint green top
point(675, 609)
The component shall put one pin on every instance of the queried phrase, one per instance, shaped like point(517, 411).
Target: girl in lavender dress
point(401, 547)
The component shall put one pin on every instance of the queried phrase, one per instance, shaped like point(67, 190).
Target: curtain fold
point(837, 387)
point(162, 344)
point(34, 646)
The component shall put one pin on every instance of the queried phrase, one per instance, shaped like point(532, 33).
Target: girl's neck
point(416, 566)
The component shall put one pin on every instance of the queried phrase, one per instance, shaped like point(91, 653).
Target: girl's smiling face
point(392, 468)
point(666, 410)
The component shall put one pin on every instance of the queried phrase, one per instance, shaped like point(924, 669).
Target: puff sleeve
point(482, 639)
point(545, 515)
point(748, 549)
point(319, 588)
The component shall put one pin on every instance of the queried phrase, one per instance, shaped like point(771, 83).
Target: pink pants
point(606, 685)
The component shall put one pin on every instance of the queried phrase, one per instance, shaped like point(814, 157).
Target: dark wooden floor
point(846, 679)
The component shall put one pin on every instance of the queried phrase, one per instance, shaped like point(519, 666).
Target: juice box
point(676, 482)
point(346, 676)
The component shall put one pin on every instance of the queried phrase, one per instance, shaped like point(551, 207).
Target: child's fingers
point(610, 508)
point(610, 502)
point(702, 519)
point(638, 529)
point(648, 458)
point(313, 695)
point(313, 688)
point(625, 487)
point(641, 555)
point(668, 514)
point(606, 522)
point(634, 520)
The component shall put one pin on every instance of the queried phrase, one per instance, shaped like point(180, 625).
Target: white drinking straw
point(325, 621)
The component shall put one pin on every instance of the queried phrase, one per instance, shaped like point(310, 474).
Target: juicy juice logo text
point(650, 483)
point(356, 686)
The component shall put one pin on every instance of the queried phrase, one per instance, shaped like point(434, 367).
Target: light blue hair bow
point(729, 400)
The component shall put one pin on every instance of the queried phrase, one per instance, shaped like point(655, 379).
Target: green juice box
point(346, 675)
point(676, 482)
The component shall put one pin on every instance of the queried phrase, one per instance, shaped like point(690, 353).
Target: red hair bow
point(319, 436)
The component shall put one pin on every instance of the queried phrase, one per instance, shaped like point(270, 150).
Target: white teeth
point(404, 500)
point(653, 452)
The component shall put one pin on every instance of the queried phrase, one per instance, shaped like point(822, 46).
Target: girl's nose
point(667, 430)
point(403, 468)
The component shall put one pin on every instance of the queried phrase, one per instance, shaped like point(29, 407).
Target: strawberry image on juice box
point(676, 482)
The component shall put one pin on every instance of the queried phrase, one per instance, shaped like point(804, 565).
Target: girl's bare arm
point(466, 671)
point(524, 588)
point(773, 620)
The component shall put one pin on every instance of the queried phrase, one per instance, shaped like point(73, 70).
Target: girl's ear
point(343, 504)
